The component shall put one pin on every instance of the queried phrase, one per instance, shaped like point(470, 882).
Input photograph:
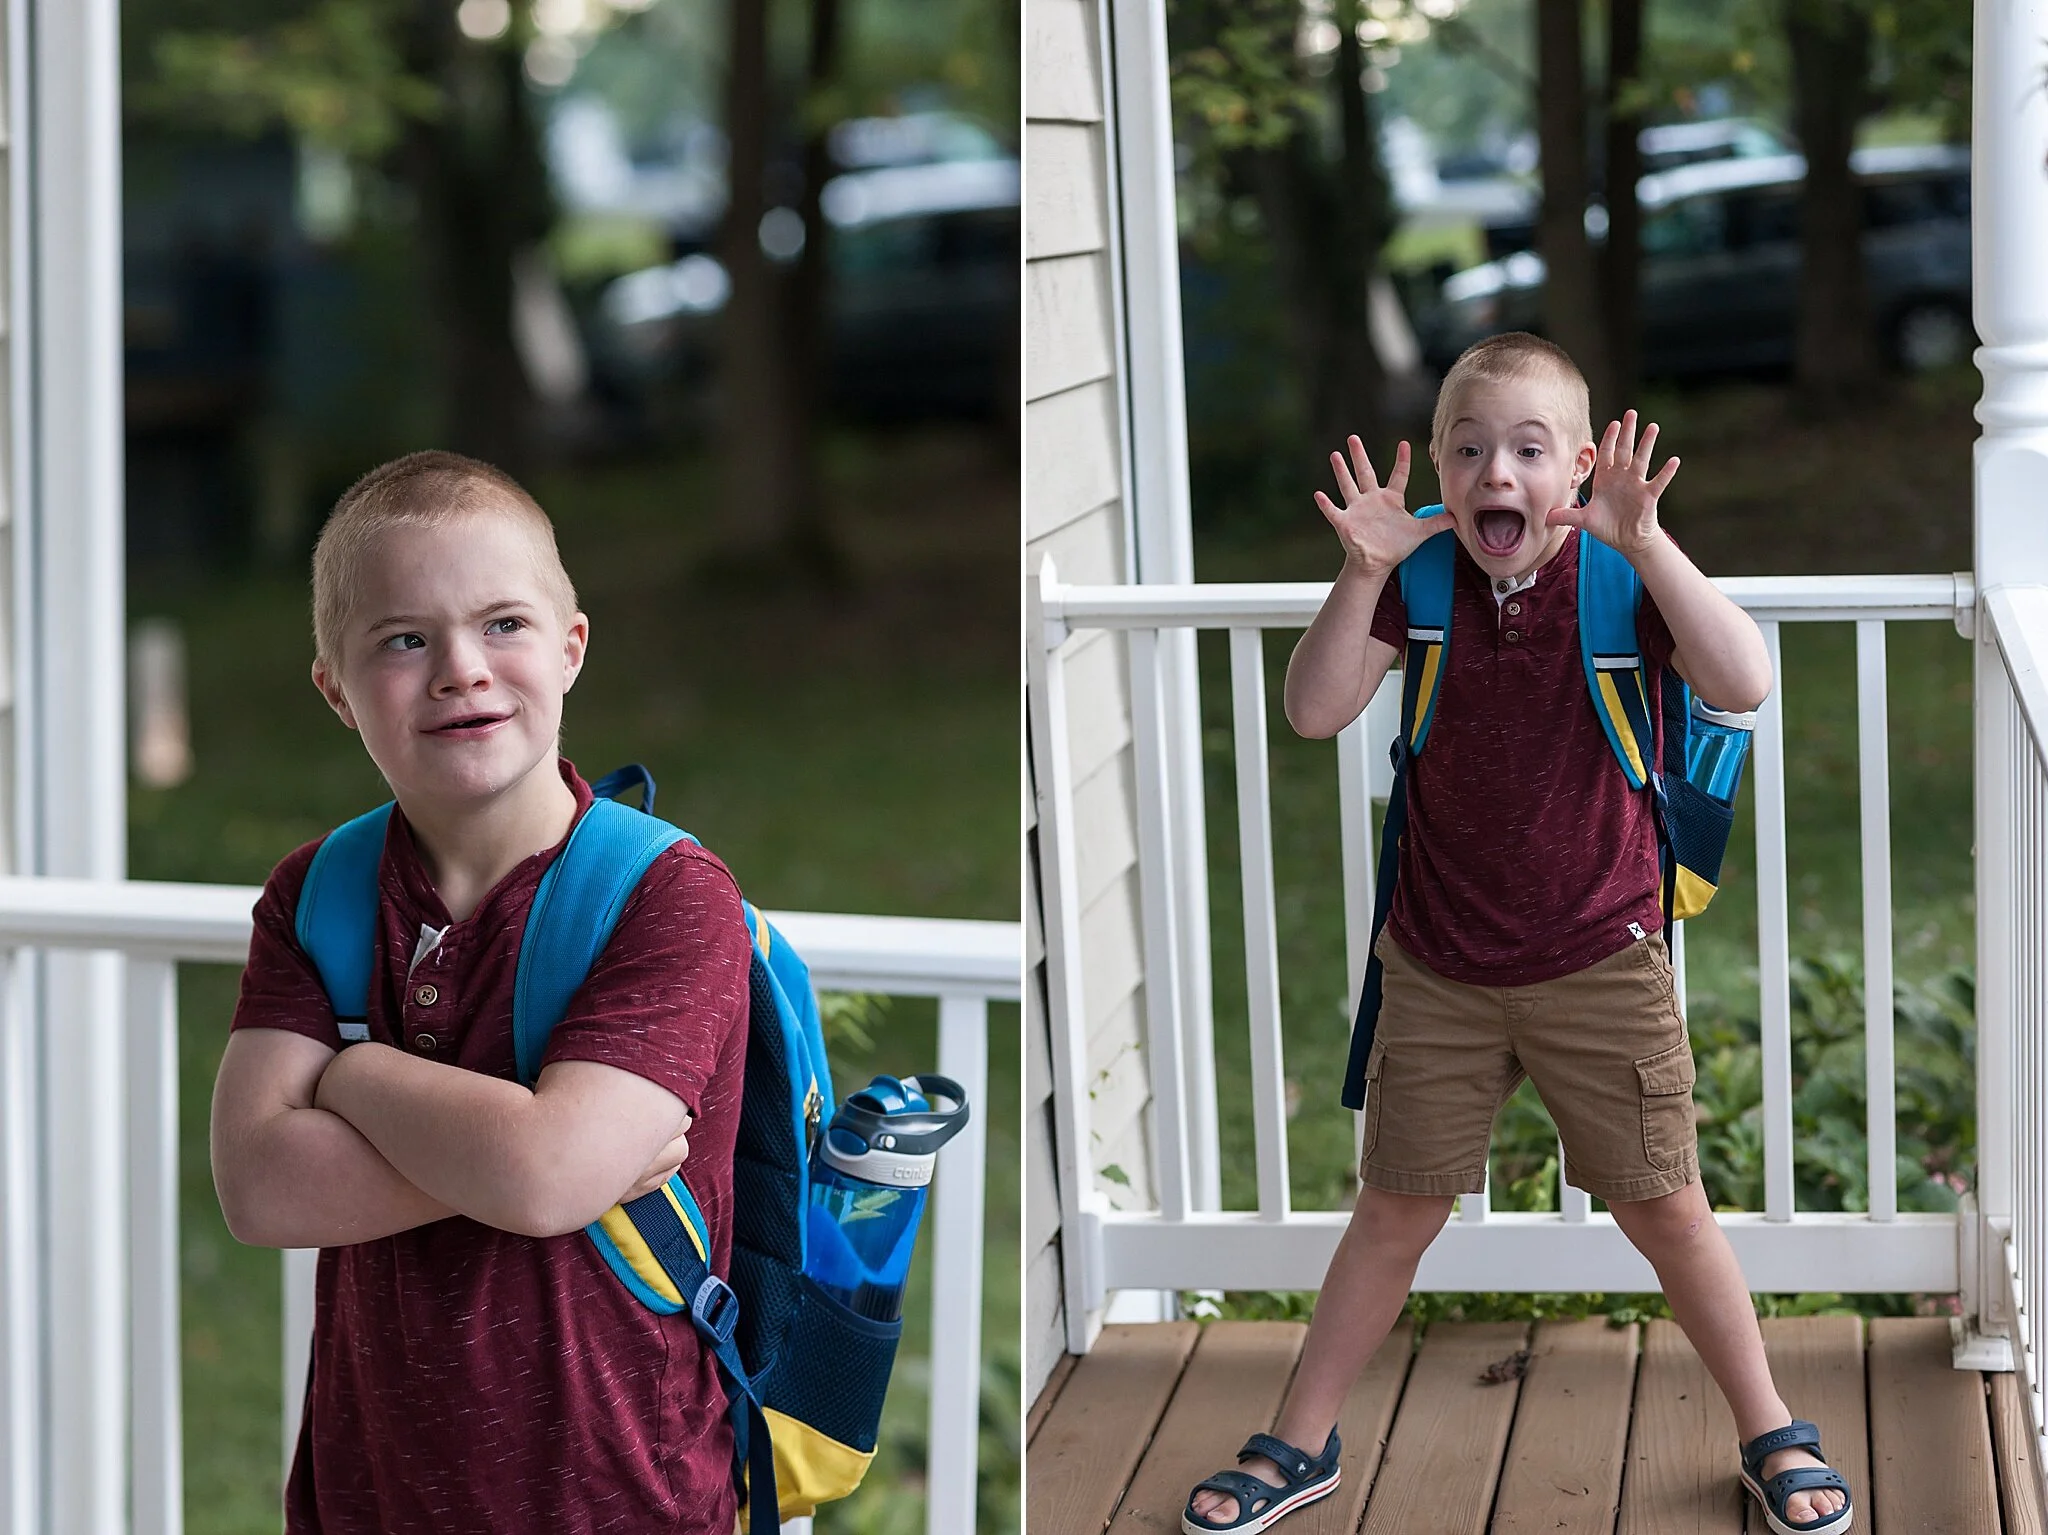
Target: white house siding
point(1074, 513)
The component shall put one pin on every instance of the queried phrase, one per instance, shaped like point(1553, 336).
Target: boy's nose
point(462, 669)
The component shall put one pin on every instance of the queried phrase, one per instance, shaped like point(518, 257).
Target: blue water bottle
point(1716, 748)
point(870, 1171)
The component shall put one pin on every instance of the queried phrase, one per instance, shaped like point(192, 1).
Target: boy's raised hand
point(1373, 523)
point(1622, 512)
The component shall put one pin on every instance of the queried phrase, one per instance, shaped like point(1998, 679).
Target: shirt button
point(1501, 586)
point(1514, 637)
point(425, 1042)
point(1514, 610)
point(426, 996)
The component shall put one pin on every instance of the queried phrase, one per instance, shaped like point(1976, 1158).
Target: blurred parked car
point(922, 302)
point(1720, 272)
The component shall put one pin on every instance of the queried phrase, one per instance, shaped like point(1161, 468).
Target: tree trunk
point(1834, 352)
point(1357, 381)
point(1572, 315)
point(1325, 223)
point(1621, 275)
point(759, 408)
point(480, 185)
point(807, 334)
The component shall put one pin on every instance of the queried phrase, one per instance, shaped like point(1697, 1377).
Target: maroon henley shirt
point(466, 1379)
point(1528, 855)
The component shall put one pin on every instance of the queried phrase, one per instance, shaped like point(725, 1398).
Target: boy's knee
point(1411, 1220)
point(1679, 1216)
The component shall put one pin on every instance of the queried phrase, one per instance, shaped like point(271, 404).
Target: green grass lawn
point(852, 751)
point(1766, 494)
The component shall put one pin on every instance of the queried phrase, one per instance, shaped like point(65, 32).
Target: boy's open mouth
point(1498, 530)
point(467, 722)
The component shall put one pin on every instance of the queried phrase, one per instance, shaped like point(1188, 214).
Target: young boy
point(1526, 930)
point(476, 1366)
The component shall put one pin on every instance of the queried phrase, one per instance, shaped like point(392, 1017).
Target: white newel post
point(2009, 281)
point(1155, 402)
point(75, 761)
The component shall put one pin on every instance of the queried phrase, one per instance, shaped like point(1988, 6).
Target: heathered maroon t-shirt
point(466, 1379)
point(1527, 855)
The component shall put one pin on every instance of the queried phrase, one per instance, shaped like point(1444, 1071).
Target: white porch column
point(2009, 281)
point(73, 762)
point(1155, 404)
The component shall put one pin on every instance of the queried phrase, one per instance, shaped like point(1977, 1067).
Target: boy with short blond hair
point(476, 1366)
point(1525, 935)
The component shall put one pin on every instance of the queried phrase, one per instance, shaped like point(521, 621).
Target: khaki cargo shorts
point(1605, 1046)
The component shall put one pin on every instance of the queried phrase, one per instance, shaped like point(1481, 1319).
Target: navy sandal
point(1260, 1504)
point(1798, 1434)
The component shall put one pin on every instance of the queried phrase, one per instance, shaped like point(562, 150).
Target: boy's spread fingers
point(1397, 482)
point(1643, 448)
point(1346, 486)
point(1361, 461)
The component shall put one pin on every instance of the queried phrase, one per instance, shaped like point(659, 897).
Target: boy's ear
point(329, 683)
point(1582, 464)
point(575, 641)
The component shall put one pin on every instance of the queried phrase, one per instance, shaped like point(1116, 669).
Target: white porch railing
point(964, 965)
point(2012, 980)
point(1182, 1247)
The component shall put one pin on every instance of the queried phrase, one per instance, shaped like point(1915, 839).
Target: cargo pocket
point(1666, 1079)
point(823, 1400)
point(1375, 1063)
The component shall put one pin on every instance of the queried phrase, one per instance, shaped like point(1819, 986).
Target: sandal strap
point(1804, 1479)
point(1241, 1485)
point(1294, 1464)
point(1798, 1434)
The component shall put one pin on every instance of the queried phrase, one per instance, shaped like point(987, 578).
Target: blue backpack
point(805, 1377)
point(1692, 782)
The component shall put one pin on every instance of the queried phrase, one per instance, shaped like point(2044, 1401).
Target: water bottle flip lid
point(890, 1131)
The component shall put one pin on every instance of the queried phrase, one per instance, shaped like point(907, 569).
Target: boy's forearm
point(1329, 679)
point(306, 1178)
point(1718, 647)
point(489, 1148)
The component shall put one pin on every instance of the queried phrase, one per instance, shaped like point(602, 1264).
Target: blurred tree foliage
point(452, 125)
point(1285, 218)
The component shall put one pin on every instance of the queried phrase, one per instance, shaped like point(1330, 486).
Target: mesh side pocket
point(832, 1369)
point(1698, 826)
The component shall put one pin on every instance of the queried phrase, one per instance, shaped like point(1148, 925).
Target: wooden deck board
point(1681, 1473)
point(1443, 1457)
point(1817, 1365)
point(1048, 1395)
point(1365, 1422)
point(1231, 1388)
point(1124, 1432)
point(1930, 1438)
point(1563, 1471)
point(2012, 1440)
point(1089, 1445)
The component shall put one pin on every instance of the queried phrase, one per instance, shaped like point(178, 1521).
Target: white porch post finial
point(2009, 282)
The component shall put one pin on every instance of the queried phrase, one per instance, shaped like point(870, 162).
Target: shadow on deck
point(1615, 1430)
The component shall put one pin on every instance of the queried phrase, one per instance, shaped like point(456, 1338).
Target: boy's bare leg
point(1361, 1299)
point(1710, 1301)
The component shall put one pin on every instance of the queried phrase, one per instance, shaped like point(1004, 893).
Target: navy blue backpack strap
point(336, 919)
point(1609, 593)
point(1426, 589)
point(574, 912)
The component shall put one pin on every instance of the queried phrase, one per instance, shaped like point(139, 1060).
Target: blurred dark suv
point(1720, 266)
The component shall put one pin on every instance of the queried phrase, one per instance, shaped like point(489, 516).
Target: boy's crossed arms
point(318, 1148)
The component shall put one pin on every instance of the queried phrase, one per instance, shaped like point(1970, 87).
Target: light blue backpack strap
point(1608, 595)
point(578, 904)
point(788, 980)
point(1426, 594)
point(336, 919)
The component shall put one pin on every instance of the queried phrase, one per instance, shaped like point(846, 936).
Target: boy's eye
point(1468, 451)
point(1532, 452)
point(402, 642)
point(504, 626)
